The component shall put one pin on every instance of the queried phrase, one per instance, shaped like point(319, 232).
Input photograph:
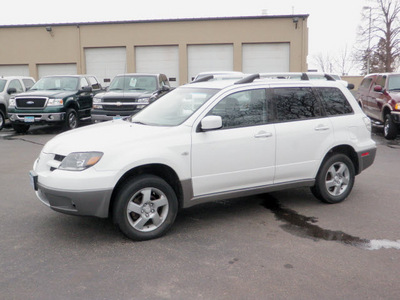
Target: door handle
point(263, 134)
point(321, 127)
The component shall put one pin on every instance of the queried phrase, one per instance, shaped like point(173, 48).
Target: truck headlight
point(145, 101)
point(96, 103)
point(79, 161)
point(55, 102)
point(11, 102)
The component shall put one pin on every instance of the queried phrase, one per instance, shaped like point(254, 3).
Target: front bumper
point(106, 115)
point(34, 118)
point(80, 203)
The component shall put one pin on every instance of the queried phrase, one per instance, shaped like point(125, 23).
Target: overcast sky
point(332, 24)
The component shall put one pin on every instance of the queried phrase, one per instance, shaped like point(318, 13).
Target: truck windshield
point(394, 82)
point(134, 83)
point(175, 107)
point(66, 83)
point(2, 84)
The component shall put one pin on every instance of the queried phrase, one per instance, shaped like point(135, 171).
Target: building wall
point(33, 45)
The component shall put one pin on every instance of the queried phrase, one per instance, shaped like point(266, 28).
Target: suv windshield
point(2, 84)
point(394, 82)
point(175, 107)
point(66, 83)
point(134, 83)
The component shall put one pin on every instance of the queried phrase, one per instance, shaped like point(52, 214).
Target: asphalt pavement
point(281, 245)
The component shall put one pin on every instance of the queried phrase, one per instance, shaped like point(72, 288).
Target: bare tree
point(324, 62)
point(380, 31)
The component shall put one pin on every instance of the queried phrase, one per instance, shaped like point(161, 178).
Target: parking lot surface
point(281, 245)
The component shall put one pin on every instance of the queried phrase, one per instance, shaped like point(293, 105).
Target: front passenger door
point(239, 156)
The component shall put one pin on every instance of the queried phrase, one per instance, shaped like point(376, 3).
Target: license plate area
point(29, 119)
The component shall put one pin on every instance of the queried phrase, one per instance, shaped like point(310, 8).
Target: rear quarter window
point(334, 102)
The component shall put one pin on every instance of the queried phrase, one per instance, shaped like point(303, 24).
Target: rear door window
point(298, 103)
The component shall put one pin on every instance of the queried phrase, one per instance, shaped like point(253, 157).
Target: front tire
point(71, 119)
point(335, 179)
point(2, 119)
point(389, 128)
point(145, 208)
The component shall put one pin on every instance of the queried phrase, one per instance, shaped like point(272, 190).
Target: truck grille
point(31, 102)
point(119, 104)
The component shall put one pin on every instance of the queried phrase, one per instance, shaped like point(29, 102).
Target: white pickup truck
point(8, 86)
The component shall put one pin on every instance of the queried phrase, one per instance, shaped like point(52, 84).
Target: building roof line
point(303, 16)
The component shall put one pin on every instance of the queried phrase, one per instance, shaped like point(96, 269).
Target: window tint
point(242, 109)
point(295, 104)
point(17, 85)
point(334, 102)
point(28, 83)
point(366, 83)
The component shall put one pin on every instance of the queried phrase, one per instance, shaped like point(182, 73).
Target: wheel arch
point(386, 110)
point(349, 152)
point(163, 171)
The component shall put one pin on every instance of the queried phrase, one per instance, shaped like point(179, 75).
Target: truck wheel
point(335, 179)
point(2, 119)
point(389, 128)
point(71, 119)
point(20, 128)
point(145, 208)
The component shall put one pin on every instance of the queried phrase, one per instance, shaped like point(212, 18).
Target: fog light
point(51, 117)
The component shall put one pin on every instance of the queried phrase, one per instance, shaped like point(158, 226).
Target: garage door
point(158, 59)
point(105, 63)
point(14, 70)
point(204, 58)
point(259, 58)
point(56, 69)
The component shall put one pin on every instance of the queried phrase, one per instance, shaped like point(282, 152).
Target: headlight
point(145, 101)
point(96, 103)
point(397, 106)
point(79, 161)
point(11, 102)
point(55, 102)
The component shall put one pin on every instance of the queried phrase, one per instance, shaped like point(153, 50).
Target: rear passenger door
point(239, 156)
point(302, 134)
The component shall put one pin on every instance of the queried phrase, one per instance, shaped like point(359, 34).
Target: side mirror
point(211, 123)
point(165, 88)
point(350, 86)
point(11, 91)
point(378, 89)
point(85, 89)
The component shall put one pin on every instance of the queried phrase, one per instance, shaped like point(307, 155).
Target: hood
point(105, 136)
point(47, 93)
point(120, 94)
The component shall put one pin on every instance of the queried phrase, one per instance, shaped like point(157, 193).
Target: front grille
point(31, 102)
point(121, 106)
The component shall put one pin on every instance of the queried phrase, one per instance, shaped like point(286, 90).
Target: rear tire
point(20, 128)
point(335, 179)
point(145, 207)
point(389, 128)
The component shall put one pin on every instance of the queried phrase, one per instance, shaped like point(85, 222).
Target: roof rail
point(203, 79)
point(248, 79)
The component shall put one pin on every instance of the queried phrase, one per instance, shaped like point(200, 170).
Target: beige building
point(179, 48)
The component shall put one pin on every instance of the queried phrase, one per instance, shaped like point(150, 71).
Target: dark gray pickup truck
point(127, 94)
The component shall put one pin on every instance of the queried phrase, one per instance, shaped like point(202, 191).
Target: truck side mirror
point(85, 89)
point(378, 89)
point(11, 91)
point(350, 86)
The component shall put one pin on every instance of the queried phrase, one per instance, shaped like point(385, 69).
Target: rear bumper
point(365, 159)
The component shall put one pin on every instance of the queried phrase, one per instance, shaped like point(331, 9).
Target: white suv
point(205, 142)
